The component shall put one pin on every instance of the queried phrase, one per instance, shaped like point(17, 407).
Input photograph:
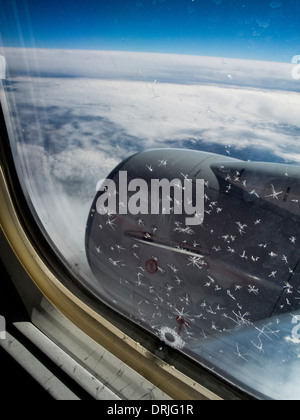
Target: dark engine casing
point(241, 265)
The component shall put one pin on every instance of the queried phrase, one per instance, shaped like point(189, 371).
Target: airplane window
point(157, 144)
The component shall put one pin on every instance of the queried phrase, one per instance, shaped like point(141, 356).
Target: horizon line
point(104, 50)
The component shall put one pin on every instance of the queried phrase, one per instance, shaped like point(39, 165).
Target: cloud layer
point(133, 66)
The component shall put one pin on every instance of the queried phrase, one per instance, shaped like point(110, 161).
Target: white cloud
point(168, 68)
point(81, 169)
point(93, 114)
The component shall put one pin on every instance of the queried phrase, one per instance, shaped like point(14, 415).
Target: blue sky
point(257, 29)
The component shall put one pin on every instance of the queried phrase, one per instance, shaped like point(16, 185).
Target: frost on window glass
point(219, 282)
point(234, 277)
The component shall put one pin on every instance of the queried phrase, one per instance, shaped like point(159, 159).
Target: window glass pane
point(135, 92)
